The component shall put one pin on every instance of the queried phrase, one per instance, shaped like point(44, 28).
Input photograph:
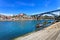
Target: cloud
point(36, 13)
point(25, 4)
point(58, 7)
point(6, 14)
point(57, 13)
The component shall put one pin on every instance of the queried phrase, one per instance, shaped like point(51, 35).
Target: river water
point(12, 29)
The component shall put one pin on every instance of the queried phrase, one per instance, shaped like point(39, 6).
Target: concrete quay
point(50, 33)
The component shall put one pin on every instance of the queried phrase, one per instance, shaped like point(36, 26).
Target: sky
point(9, 7)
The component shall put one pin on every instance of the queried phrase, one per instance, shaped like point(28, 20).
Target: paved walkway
point(50, 33)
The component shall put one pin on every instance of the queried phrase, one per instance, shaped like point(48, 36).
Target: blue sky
point(28, 6)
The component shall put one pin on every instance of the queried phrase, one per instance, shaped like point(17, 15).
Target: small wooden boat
point(38, 26)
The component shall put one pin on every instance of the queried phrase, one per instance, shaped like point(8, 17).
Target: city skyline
point(9, 7)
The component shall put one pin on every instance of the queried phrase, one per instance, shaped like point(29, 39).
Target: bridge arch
point(39, 15)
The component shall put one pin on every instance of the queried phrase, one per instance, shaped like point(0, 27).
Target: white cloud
point(58, 8)
point(35, 13)
point(57, 13)
point(25, 4)
point(6, 14)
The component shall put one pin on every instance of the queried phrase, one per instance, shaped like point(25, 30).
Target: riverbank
point(49, 33)
point(18, 20)
point(24, 19)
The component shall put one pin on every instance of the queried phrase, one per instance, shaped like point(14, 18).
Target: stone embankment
point(50, 33)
